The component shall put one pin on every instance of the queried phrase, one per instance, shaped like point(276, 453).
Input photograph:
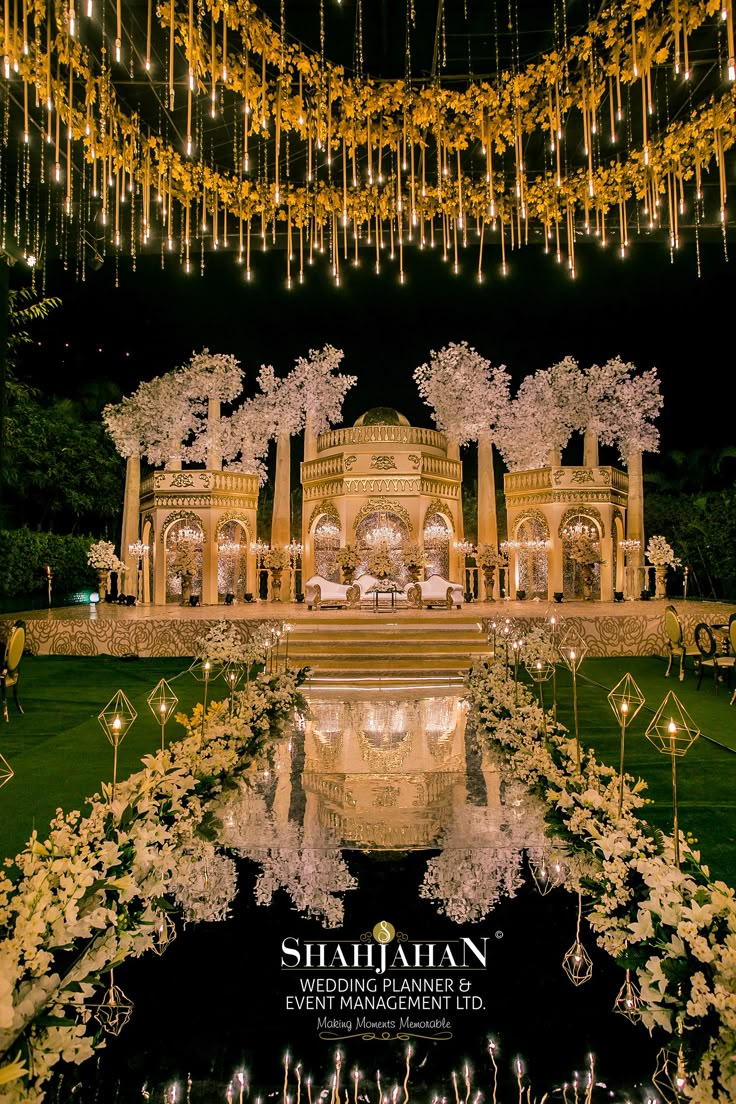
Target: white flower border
point(93, 893)
point(675, 928)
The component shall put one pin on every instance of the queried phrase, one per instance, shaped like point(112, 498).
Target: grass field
point(60, 754)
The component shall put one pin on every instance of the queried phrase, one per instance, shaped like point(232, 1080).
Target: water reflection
point(396, 773)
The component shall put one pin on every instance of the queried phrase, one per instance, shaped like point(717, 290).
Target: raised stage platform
point(627, 628)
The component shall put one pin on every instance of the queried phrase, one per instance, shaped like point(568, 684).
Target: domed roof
point(382, 415)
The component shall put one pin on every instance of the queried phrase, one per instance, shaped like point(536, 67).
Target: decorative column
point(131, 507)
point(487, 517)
point(635, 512)
point(453, 453)
point(214, 442)
point(281, 517)
point(590, 450)
point(310, 438)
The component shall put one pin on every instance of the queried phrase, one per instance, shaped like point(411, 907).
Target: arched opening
point(383, 530)
point(147, 565)
point(581, 557)
point(183, 542)
point(326, 542)
point(437, 533)
point(531, 558)
point(232, 560)
point(618, 573)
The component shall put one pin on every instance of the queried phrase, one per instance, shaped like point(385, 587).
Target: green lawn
point(58, 750)
point(706, 777)
point(60, 754)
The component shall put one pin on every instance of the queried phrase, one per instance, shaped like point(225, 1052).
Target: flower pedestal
point(588, 580)
point(103, 580)
point(414, 573)
point(489, 580)
point(186, 587)
point(276, 584)
point(660, 581)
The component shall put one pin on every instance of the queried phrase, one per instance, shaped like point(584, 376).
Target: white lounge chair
point(320, 593)
point(434, 591)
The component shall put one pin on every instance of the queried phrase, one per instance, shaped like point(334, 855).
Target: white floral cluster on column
point(467, 395)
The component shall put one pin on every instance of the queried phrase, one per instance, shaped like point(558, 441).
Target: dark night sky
point(644, 309)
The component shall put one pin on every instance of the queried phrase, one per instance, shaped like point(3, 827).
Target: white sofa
point(434, 591)
point(320, 592)
point(365, 582)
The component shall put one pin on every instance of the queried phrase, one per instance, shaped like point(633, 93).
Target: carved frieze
point(383, 506)
point(383, 463)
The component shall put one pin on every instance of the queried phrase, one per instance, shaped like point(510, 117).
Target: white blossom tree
point(323, 392)
point(153, 422)
point(630, 403)
point(469, 399)
point(283, 404)
point(208, 380)
point(549, 407)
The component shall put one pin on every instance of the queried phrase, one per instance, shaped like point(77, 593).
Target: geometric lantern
point(114, 1010)
point(164, 933)
point(232, 673)
point(670, 1076)
point(577, 963)
point(573, 650)
point(6, 771)
point(162, 701)
point(539, 670)
point(547, 871)
point(115, 719)
point(626, 699)
point(203, 670)
point(628, 1001)
point(673, 732)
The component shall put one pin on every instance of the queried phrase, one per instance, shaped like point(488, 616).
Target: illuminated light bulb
point(288, 283)
point(672, 728)
point(277, 196)
point(191, 80)
point(248, 274)
point(301, 120)
point(731, 69)
point(117, 724)
point(224, 74)
point(72, 26)
point(189, 147)
point(504, 269)
point(117, 50)
point(402, 278)
point(26, 137)
point(148, 65)
point(187, 267)
point(170, 244)
point(89, 9)
point(57, 172)
point(246, 164)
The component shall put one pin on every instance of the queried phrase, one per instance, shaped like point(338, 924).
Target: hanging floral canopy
point(205, 125)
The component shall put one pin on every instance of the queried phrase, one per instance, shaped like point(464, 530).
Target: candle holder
point(554, 624)
point(6, 771)
point(162, 701)
point(577, 963)
point(232, 673)
point(204, 670)
point(673, 732)
point(573, 650)
point(540, 671)
point(115, 719)
point(138, 550)
point(626, 699)
point(628, 1000)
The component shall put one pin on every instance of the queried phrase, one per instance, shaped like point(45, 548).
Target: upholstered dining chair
point(676, 640)
point(710, 655)
point(10, 663)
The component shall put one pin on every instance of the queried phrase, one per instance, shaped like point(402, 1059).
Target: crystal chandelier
point(383, 533)
point(188, 533)
point(435, 533)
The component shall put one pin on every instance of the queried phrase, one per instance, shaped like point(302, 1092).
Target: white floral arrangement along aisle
point(100, 888)
point(673, 927)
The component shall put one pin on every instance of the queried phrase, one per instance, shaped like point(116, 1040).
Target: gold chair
point(9, 674)
point(711, 656)
point(676, 640)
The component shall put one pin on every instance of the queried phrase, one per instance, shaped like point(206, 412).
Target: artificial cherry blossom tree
point(153, 422)
point(208, 380)
point(468, 399)
point(549, 407)
point(283, 402)
point(323, 391)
